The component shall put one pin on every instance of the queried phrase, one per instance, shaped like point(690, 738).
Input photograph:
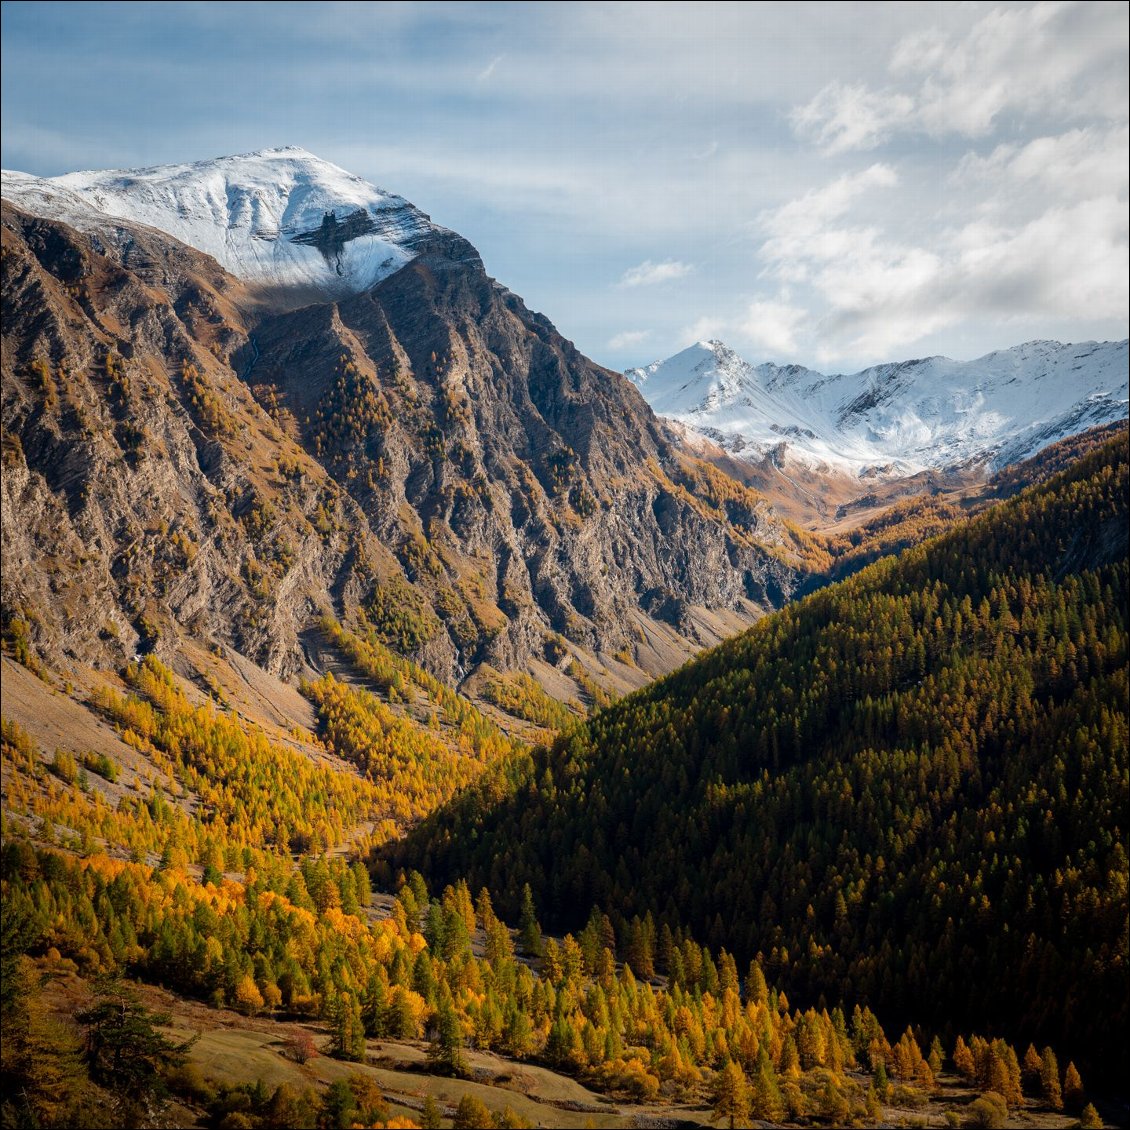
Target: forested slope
point(908, 789)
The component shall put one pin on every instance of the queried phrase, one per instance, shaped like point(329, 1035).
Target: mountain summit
point(901, 417)
point(281, 218)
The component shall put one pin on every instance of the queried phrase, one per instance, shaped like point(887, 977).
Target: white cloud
point(843, 117)
point(648, 273)
point(628, 338)
point(1062, 60)
point(771, 326)
point(810, 214)
point(1055, 253)
point(1080, 163)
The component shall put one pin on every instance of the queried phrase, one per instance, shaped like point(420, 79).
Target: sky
point(834, 185)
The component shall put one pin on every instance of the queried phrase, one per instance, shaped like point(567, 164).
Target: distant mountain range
point(894, 419)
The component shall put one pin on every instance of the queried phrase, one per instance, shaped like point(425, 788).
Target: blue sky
point(833, 184)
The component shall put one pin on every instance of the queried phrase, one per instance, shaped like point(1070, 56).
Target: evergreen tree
point(881, 1080)
point(472, 1114)
point(374, 1004)
point(347, 1029)
point(445, 1038)
point(431, 1117)
point(963, 1060)
point(1073, 1094)
point(339, 1106)
point(1090, 1118)
point(529, 930)
point(125, 1051)
point(767, 1102)
point(1030, 1070)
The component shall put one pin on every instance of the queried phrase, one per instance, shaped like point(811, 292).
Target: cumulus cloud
point(1033, 231)
point(794, 227)
point(1063, 60)
point(879, 293)
point(846, 116)
point(648, 273)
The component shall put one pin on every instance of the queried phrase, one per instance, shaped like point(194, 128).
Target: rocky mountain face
point(892, 420)
point(524, 487)
point(144, 491)
point(425, 458)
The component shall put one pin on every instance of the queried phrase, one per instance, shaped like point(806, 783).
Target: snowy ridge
point(262, 216)
point(893, 419)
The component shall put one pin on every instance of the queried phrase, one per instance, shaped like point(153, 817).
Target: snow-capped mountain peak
point(701, 378)
point(900, 417)
point(277, 217)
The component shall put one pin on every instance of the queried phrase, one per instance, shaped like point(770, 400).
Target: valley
point(402, 719)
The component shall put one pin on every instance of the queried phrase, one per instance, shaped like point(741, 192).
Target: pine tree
point(44, 1075)
point(472, 1114)
point(790, 1058)
point(873, 1105)
point(963, 1060)
point(1030, 1070)
point(124, 1049)
point(757, 991)
point(937, 1056)
point(767, 1101)
point(348, 1029)
point(881, 1080)
point(289, 1106)
point(518, 1033)
point(431, 1117)
point(374, 1004)
point(1090, 1118)
point(339, 1107)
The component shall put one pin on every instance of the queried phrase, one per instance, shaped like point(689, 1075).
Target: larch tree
point(731, 1094)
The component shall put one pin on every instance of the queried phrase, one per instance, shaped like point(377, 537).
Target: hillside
point(894, 791)
point(190, 939)
point(869, 529)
